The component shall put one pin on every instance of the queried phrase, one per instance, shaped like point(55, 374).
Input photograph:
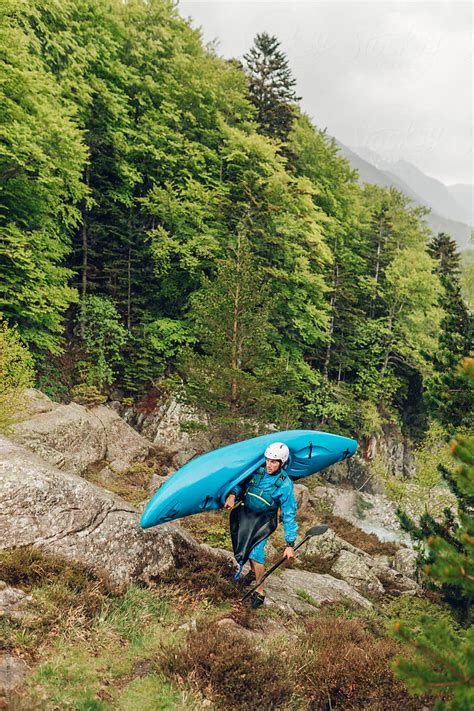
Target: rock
point(220, 553)
point(72, 437)
point(63, 514)
point(355, 571)
point(34, 402)
point(300, 591)
point(384, 561)
point(12, 672)
point(405, 562)
point(302, 497)
point(14, 603)
point(156, 482)
point(228, 625)
point(327, 546)
point(394, 582)
point(175, 426)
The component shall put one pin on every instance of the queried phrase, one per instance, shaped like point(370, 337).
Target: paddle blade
point(317, 530)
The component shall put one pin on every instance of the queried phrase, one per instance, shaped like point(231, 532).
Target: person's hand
point(230, 502)
point(289, 552)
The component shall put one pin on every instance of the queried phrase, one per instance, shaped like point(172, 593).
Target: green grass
point(303, 595)
point(109, 663)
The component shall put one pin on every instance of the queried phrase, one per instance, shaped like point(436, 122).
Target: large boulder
point(370, 575)
point(65, 515)
point(301, 591)
point(355, 571)
point(72, 437)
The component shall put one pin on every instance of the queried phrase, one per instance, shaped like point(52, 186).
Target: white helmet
point(277, 450)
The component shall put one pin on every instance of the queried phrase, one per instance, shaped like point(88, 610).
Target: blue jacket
point(285, 497)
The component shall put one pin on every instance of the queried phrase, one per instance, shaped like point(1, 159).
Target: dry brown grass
point(339, 665)
point(228, 668)
point(202, 575)
point(367, 542)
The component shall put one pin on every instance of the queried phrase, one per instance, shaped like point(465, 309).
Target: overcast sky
point(395, 77)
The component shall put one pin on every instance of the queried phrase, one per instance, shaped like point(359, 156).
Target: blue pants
point(258, 552)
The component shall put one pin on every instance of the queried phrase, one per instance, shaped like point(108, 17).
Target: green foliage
point(444, 660)
point(104, 336)
point(234, 377)
point(16, 374)
point(41, 161)
point(87, 395)
point(132, 159)
point(444, 664)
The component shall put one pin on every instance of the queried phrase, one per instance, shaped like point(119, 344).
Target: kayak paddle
point(315, 531)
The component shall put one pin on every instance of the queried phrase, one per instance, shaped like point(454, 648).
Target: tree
point(41, 161)
point(271, 86)
point(444, 661)
point(450, 397)
point(233, 378)
point(104, 338)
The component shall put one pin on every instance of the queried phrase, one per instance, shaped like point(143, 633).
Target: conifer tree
point(444, 661)
point(271, 86)
point(450, 397)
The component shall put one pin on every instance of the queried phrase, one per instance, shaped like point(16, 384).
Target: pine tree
point(450, 397)
point(271, 86)
point(443, 660)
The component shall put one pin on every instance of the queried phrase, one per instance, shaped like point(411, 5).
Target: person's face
point(272, 465)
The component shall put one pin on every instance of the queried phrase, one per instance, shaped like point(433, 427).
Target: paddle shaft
point(273, 568)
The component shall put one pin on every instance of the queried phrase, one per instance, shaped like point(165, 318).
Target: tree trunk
point(333, 318)
point(85, 252)
point(129, 286)
point(377, 267)
point(235, 334)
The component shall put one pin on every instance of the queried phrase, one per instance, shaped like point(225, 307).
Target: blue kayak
point(203, 483)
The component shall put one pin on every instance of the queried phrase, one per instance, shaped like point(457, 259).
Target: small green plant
point(16, 374)
point(87, 395)
point(192, 426)
point(303, 595)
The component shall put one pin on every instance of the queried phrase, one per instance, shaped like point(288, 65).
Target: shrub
point(87, 395)
point(228, 668)
point(203, 575)
point(16, 374)
point(346, 667)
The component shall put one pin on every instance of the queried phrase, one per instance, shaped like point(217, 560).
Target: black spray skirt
point(248, 528)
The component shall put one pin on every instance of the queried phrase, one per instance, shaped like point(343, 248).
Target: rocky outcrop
point(300, 591)
point(63, 514)
point(369, 575)
point(72, 437)
point(174, 426)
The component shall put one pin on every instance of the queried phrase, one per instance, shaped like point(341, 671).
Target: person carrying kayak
point(254, 508)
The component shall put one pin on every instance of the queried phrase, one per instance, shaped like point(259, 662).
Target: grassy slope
point(161, 647)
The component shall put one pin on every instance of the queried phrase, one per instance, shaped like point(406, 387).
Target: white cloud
point(395, 76)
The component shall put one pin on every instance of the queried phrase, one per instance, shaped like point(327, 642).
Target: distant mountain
point(433, 192)
point(419, 187)
point(464, 195)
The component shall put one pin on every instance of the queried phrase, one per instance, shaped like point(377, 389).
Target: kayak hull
point(204, 483)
